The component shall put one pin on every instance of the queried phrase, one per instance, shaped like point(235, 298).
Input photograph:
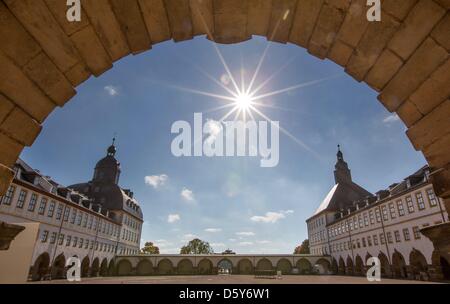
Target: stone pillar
point(8, 232)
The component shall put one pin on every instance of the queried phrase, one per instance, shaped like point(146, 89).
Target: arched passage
point(165, 267)
point(285, 266)
point(341, 266)
point(104, 268)
point(399, 266)
point(40, 267)
point(144, 268)
point(245, 266)
point(225, 265)
point(385, 266)
point(419, 265)
point(185, 267)
point(95, 268)
point(339, 31)
point(334, 266)
point(85, 267)
point(350, 266)
point(324, 264)
point(59, 266)
point(359, 266)
point(205, 267)
point(111, 268)
point(124, 268)
point(445, 268)
point(304, 266)
point(264, 265)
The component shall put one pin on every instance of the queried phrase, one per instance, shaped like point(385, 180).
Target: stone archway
point(144, 268)
point(341, 266)
point(205, 267)
point(95, 268)
point(225, 265)
point(104, 267)
point(165, 267)
point(445, 268)
point(111, 268)
point(40, 267)
point(304, 266)
point(385, 266)
point(59, 267)
point(85, 267)
point(399, 265)
point(350, 266)
point(334, 266)
point(245, 266)
point(124, 268)
point(359, 266)
point(324, 264)
point(264, 265)
point(418, 264)
point(185, 267)
point(285, 266)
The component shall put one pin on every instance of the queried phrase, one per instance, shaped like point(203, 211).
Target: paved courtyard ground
point(231, 279)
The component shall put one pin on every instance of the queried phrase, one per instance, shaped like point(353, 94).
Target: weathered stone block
point(383, 70)
point(416, 27)
point(431, 127)
point(355, 23)
point(259, 13)
point(398, 9)
point(441, 32)
point(304, 21)
point(11, 150)
point(428, 57)
point(155, 17)
point(50, 79)
point(409, 113)
point(202, 17)
point(6, 107)
point(438, 153)
point(180, 21)
point(340, 53)
point(281, 20)
point(230, 21)
point(15, 85)
point(434, 90)
point(78, 74)
point(129, 15)
point(21, 127)
point(59, 11)
point(6, 177)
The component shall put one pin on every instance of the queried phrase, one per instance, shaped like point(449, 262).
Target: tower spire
point(112, 149)
point(342, 173)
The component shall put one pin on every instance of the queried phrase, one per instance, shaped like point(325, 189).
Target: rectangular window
point(406, 234)
point(85, 220)
point(377, 214)
point(61, 239)
point(42, 206)
point(32, 203)
point(360, 221)
point(416, 232)
point(86, 246)
point(364, 242)
point(420, 202)
point(80, 218)
point(366, 220)
point(53, 238)
point(369, 241)
point(382, 239)
point(75, 241)
point(385, 213)
point(397, 236)
point(51, 209)
point(66, 214)
point(92, 245)
point(44, 236)
point(432, 198)
point(375, 240)
point(392, 210)
point(9, 195)
point(69, 240)
point(91, 218)
point(81, 243)
point(409, 204)
point(389, 237)
point(73, 217)
point(21, 199)
point(400, 208)
point(371, 217)
point(59, 212)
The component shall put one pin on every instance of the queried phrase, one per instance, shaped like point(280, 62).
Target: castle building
point(94, 221)
point(351, 225)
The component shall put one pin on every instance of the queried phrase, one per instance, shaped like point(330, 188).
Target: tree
point(303, 248)
point(197, 246)
point(149, 248)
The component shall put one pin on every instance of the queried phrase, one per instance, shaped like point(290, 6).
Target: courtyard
point(231, 279)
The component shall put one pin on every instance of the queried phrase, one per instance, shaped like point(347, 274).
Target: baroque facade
point(351, 225)
point(93, 221)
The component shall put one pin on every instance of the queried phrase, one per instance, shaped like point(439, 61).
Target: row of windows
point(131, 222)
point(317, 223)
point(75, 242)
point(388, 211)
point(130, 236)
point(380, 239)
point(76, 216)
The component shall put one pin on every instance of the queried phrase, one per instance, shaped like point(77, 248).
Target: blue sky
point(230, 202)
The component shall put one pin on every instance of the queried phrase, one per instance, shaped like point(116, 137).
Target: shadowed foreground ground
point(231, 279)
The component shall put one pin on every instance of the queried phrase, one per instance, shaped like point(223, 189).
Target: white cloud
point(217, 244)
point(163, 243)
point(245, 233)
point(172, 218)
point(271, 217)
point(245, 243)
point(188, 237)
point(263, 242)
point(232, 240)
point(111, 90)
point(156, 181)
point(391, 118)
point(212, 230)
point(187, 195)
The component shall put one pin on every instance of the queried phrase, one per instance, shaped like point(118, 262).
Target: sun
point(243, 101)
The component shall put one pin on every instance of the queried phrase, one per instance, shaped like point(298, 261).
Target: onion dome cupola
point(107, 169)
point(342, 173)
